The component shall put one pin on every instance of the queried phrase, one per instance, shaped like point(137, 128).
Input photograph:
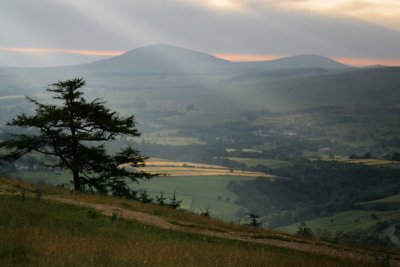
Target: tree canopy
point(75, 131)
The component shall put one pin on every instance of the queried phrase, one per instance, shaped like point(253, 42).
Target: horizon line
point(234, 57)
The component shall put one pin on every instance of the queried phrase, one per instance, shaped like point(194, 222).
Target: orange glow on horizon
point(67, 51)
point(358, 61)
point(247, 57)
point(353, 61)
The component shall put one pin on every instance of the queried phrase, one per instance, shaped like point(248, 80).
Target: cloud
point(67, 51)
point(251, 27)
point(382, 12)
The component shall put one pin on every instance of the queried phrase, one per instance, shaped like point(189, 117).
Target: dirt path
point(163, 223)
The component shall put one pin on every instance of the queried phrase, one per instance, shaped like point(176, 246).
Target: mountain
point(296, 62)
point(162, 58)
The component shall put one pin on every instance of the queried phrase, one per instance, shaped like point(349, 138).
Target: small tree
point(205, 212)
point(160, 200)
point(174, 203)
point(75, 132)
point(304, 231)
point(144, 197)
point(254, 220)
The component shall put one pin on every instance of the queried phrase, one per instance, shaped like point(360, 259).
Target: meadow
point(178, 168)
point(270, 163)
point(199, 186)
point(347, 221)
point(199, 193)
point(44, 232)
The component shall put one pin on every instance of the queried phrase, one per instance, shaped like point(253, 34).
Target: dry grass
point(54, 234)
point(48, 234)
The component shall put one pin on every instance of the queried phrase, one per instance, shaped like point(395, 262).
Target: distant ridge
point(297, 62)
point(161, 58)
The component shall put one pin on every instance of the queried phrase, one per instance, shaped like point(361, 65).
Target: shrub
point(144, 197)
point(175, 203)
point(160, 200)
point(304, 231)
point(205, 212)
point(254, 220)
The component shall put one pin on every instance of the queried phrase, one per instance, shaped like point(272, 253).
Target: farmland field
point(198, 185)
point(370, 162)
point(177, 168)
point(347, 221)
point(252, 162)
point(170, 137)
point(199, 192)
point(390, 199)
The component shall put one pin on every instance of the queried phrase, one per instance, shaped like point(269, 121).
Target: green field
point(252, 162)
point(347, 221)
point(196, 192)
point(370, 162)
point(199, 192)
point(45, 177)
point(390, 199)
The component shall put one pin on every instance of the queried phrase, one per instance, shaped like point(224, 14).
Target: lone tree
point(75, 132)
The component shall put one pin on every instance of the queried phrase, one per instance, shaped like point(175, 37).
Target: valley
point(223, 124)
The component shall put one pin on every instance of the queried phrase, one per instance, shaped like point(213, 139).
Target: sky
point(64, 32)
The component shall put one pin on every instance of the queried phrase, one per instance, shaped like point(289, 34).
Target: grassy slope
point(347, 221)
point(48, 233)
point(199, 192)
point(391, 199)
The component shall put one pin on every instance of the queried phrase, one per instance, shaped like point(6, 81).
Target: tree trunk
point(77, 181)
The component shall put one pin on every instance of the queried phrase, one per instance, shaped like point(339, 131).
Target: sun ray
point(67, 51)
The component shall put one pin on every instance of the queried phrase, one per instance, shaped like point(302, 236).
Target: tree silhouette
point(75, 131)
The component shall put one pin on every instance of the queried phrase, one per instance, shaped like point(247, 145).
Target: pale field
point(179, 168)
point(170, 137)
point(174, 140)
point(372, 161)
point(189, 171)
point(163, 162)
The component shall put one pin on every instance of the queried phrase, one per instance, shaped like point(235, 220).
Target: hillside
point(296, 62)
point(161, 59)
point(198, 185)
point(238, 123)
point(52, 227)
point(352, 88)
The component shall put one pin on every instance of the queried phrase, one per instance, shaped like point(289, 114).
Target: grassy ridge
point(47, 233)
point(50, 233)
point(199, 192)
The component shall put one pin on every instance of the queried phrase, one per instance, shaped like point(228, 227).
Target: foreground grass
point(45, 233)
point(51, 223)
